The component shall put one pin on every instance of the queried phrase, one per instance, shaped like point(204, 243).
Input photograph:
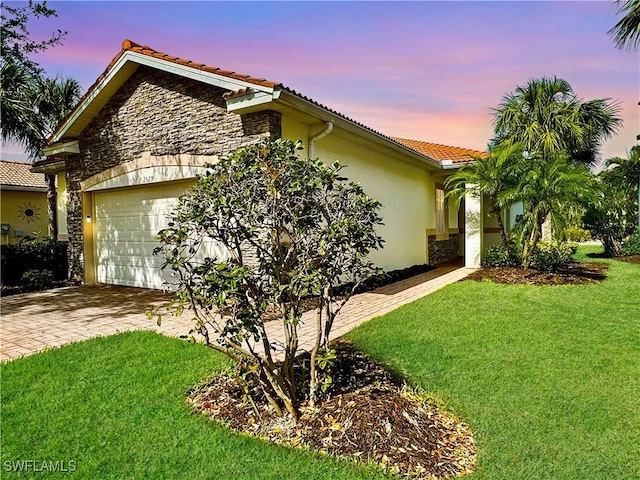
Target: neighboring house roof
point(442, 152)
point(18, 174)
point(246, 86)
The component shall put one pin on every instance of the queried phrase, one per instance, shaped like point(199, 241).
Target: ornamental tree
point(285, 228)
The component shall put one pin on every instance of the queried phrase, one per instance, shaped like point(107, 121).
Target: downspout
point(328, 128)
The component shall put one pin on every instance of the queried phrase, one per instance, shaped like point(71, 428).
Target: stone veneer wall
point(443, 250)
point(163, 114)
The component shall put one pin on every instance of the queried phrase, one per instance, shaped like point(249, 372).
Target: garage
point(126, 223)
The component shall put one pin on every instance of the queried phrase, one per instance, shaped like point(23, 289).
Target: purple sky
point(429, 71)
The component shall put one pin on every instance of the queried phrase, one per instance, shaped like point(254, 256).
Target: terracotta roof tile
point(433, 151)
point(145, 50)
point(19, 175)
point(442, 152)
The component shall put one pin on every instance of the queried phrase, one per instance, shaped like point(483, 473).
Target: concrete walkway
point(34, 321)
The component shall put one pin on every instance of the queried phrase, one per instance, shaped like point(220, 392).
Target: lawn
point(548, 378)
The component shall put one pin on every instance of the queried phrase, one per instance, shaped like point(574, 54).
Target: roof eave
point(22, 188)
point(49, 168)
point(296, 101)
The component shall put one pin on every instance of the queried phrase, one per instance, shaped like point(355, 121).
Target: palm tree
point(548, 188)
point(628, 170)
point(488, 176)
point(31, 109)
point(626, 33)
point(53, 98)
point(547, 118)
point(20, 123)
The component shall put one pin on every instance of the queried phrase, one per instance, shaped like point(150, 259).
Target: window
point(441, 224)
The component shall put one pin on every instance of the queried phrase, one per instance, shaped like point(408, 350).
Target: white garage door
point(126, 223)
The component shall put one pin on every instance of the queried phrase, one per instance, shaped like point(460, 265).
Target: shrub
point(577, 234)
point(501, 255)
point(614, 216)
point(34, 254)
point(37, 279)
point(549, 256)
point(289, 227)
point(631, 246)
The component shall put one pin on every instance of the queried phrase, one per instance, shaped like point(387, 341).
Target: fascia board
point(50, 168)
point(59, 148)
point(192, 73)
point(20, 188)
point(250, 100)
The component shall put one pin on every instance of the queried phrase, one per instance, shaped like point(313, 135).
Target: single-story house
point(151, 121)
point(23, 202)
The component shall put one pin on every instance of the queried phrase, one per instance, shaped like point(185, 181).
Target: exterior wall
point(161, 114)
point(13, 204)
point(407, 193)
point(61, 205)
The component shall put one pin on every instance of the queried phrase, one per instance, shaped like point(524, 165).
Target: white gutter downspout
point(317, 136)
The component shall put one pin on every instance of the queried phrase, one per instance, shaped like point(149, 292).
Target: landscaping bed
point(629, 258)
point(578, 273)
point(365, 415)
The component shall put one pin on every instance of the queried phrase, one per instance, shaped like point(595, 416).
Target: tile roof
point(442, 152)
point(18, 174)
point(135, 47)
point(433, 151)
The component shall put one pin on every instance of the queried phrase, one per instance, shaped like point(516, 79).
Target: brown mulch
point(365, 416)
point(575, 274)
point(629, 258)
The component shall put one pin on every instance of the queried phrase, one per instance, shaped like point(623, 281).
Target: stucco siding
point(15, 209)
point(403, 189)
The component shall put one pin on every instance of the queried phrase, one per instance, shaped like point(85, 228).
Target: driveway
point(31, 322)
point(34, 321)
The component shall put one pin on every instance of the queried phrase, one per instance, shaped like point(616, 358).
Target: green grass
point(115, 406)
point(547, 377)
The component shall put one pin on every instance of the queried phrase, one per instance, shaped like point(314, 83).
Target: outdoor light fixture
point(88, 218)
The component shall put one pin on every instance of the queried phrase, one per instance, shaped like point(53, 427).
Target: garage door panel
point(127, 222)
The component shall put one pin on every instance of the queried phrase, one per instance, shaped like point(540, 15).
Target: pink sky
point(430, 71)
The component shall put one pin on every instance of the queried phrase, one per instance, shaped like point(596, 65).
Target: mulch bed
point(365, 416)
point(629, 258)
point(575, 274)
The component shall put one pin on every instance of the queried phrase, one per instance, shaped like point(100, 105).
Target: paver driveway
point(33, 321)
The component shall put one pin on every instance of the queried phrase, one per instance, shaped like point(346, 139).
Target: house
point(23, 202)
point(149, 124)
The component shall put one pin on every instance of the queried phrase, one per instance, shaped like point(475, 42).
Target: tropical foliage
point(614, 216)
point(32, 104)
point(548, 119)
point(290, 227)
point(549, 189)
point(488, 177)
point(626, 33)
point(627, 171)
point(544, 140)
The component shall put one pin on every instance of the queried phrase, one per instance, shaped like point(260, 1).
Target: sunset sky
point(429, 71)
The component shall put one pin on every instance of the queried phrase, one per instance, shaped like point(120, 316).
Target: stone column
point(473, 228)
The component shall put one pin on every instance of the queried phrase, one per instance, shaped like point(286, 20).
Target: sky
point(431, 71)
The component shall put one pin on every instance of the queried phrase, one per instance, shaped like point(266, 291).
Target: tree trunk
point(503, 232)
point(532, 242)
point(52, 206)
